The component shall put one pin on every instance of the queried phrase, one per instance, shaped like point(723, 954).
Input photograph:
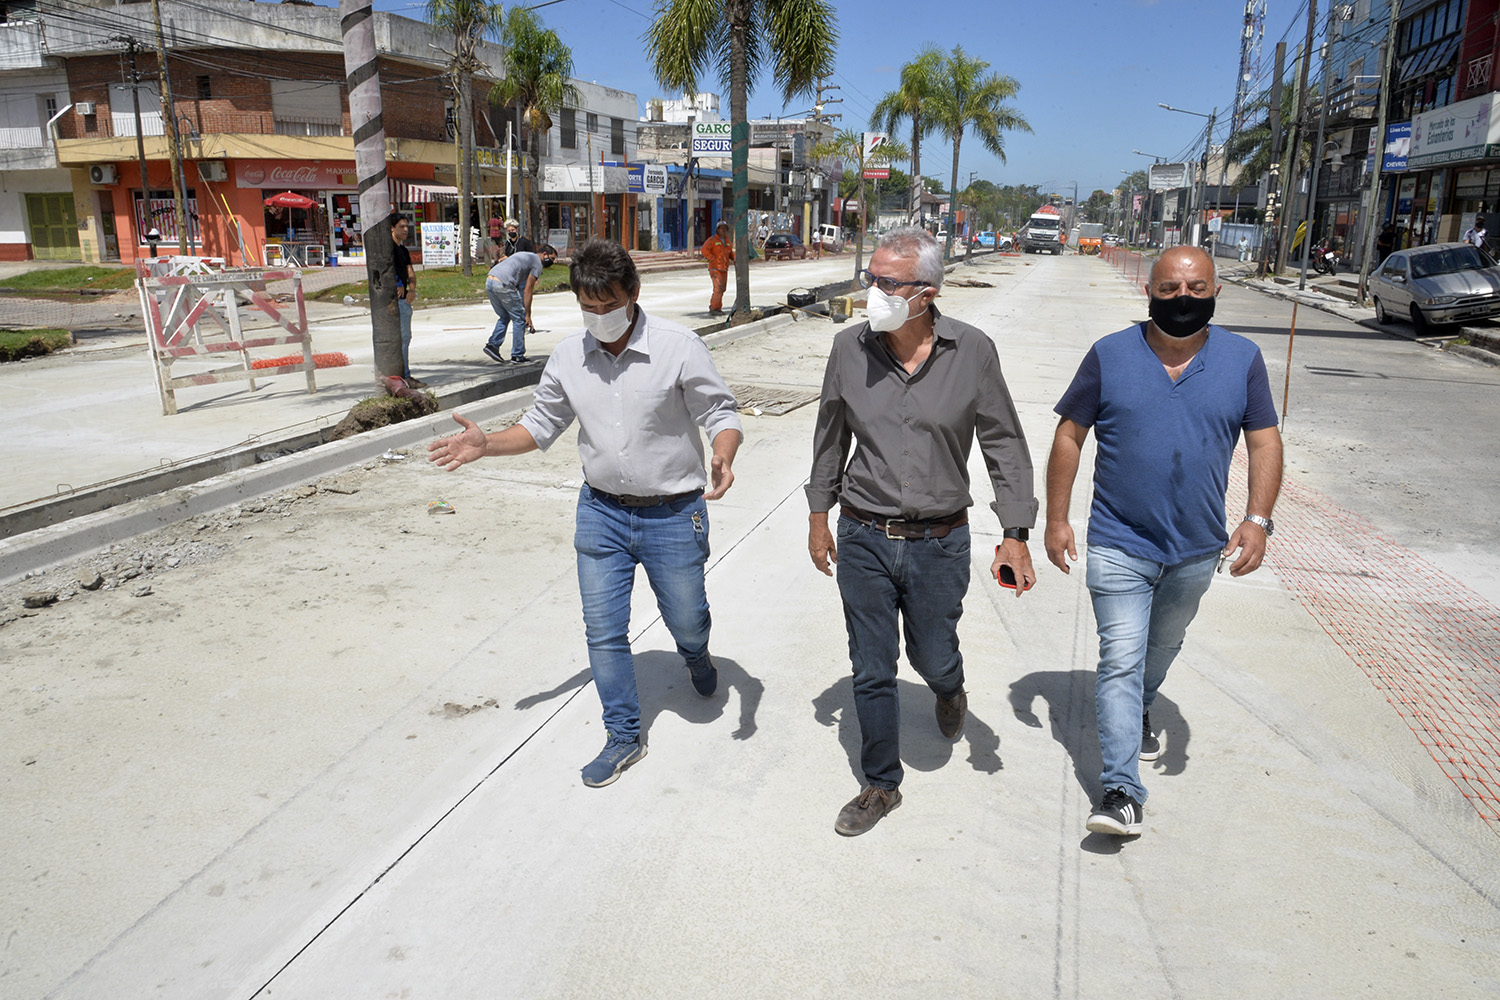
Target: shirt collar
point(638, 340)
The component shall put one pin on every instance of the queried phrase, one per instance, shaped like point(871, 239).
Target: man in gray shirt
point(640, 388)
point(510, 286)
point(913, 389)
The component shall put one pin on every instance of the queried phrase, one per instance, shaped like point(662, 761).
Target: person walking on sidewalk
point(510, 286)
point(719, 253)
point(406, 292)
point(1168, 400)
point(911, 390)
point(1477, 234)
point(640, 389)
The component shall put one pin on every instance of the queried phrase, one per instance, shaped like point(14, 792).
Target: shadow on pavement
point(923, 748)
point(662, 684)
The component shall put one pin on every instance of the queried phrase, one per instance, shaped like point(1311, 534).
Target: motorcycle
point(1325, 260)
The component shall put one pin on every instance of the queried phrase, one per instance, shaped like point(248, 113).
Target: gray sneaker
point(619, 753)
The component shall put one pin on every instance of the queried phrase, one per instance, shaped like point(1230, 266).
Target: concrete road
point(335, 751)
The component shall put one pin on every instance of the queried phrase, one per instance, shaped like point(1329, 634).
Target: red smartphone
point(1007, 576)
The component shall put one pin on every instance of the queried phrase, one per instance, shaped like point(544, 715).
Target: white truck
point(1044, 231)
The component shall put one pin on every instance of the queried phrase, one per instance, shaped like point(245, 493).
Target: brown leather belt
point(656, 501)
point(895, 527)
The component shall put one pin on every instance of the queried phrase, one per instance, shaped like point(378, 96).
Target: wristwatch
point(1019, 534)
point(1267, 525)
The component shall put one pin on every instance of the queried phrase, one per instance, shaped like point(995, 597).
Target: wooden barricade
point(196, 312)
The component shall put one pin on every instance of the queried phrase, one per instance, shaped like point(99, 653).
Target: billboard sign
point(1397, 147)
point(1458, 133)
point(1169, 176)
point(712, 139)
point(647, 178)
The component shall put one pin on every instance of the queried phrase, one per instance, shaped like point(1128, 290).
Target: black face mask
point(1181, 316)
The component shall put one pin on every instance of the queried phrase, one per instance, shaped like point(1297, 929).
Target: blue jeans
point(511, 308)
point(1142, 609)
point(404, 307)
point(670, 541)
point(923, 581)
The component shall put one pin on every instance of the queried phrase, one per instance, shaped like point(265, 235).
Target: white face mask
point(888, 312)
point(608, 327)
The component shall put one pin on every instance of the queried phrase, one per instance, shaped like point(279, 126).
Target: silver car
point(1436, 285)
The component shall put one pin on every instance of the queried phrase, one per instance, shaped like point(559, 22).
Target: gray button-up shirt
point(638, 414)
point(913, 432)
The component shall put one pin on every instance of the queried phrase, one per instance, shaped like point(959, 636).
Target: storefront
point(580, 204)
point(1455, 157)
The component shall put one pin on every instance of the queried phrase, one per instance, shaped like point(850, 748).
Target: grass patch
point(72, 279)
point(17, 344)
point(446, 284)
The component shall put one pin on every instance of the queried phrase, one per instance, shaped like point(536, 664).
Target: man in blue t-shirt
point(1167, 400)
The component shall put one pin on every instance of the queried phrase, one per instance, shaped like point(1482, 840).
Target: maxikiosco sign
point(712, 139)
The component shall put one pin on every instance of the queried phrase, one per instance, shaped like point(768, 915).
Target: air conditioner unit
point(85, 107)
point(213, 170)
point(103, 173)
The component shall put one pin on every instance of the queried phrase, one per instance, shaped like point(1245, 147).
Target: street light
point(1207, 138)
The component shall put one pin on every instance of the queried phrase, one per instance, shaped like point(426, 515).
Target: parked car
point(1114, 240)
point(1436, 285)
point(784, 246)
point(985, 240)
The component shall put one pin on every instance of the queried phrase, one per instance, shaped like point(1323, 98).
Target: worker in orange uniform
point(719, 253)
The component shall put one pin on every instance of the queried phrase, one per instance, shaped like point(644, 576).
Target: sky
point(1091, 73)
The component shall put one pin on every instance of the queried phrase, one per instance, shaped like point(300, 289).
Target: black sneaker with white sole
point(494, 355)
point(1150, 745)
point(1118, 814)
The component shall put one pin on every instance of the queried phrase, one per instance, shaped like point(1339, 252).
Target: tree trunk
point(465, 110)
point(533, 192)
point(958, 139)
point(740, 155)
point(914, 196)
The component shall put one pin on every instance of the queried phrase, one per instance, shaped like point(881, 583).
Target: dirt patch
point(382, 411)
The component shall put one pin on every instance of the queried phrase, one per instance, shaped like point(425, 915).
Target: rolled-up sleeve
point(550, 413)
point(831, 439)
point(706, 395)
point(1002, 442)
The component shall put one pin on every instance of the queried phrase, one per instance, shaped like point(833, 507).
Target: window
point(617, 137)
point(50, 105)
point(567, 123)
point(592, 123)
point(205, 88)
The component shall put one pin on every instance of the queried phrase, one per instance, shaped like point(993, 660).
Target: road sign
point(873, 143)
point(712, 139)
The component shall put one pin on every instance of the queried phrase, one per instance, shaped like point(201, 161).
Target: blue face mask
point(1181, 316)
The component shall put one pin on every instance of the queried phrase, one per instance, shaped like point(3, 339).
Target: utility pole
point(362, 75)
point(823, 118)
point(174, 142)
point(1385, 92)
point(1297, 134)
point(1317, 157)
point(1273, 177)
point(140, 142)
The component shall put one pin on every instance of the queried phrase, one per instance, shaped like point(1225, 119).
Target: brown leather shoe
point(865, 810)
point(951, 713)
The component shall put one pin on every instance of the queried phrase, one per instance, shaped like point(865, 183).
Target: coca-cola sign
point(284, 176)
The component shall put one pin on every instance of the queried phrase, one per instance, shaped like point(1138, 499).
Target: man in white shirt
point(640, 389)
point(1477, 233)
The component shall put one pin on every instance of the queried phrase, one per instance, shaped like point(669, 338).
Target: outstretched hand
point(460, 449)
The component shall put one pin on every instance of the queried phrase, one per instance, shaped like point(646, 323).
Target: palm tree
point(538, 68)
point(469, 20)
point(908, 103)
point(848, 146)
point(969, 100)
point(798, 38)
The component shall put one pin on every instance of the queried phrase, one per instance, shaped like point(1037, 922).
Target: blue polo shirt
point(1163, 448)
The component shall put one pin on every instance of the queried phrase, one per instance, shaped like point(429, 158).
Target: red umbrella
point(291, 199)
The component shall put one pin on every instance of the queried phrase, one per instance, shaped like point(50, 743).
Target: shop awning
point(419, 192)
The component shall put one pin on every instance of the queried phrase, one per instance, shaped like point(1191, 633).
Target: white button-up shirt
point(638, 414)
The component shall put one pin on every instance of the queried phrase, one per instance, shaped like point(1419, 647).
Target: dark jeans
point(924, 582)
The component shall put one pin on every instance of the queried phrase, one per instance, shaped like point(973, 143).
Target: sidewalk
point(334, 752)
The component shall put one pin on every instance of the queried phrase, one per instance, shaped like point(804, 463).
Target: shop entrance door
point(54, 227)
point(109, 240)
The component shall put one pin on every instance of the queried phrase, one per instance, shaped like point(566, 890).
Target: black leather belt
point(656, 501)
point(895, 527)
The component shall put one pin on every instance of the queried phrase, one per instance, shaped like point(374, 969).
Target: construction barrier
point(195, 311)
point(1134, 265)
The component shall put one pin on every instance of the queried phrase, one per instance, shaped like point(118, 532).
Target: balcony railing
point(1478, 77)
point(21, 138)
point(305, 125)
point(124, 124)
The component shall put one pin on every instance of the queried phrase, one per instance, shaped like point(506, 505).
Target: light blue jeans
point(670, 541)
point(1142, 609)
point(510, 307)
point(404, 308)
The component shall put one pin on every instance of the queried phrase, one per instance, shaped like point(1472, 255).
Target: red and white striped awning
point(415, 192)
